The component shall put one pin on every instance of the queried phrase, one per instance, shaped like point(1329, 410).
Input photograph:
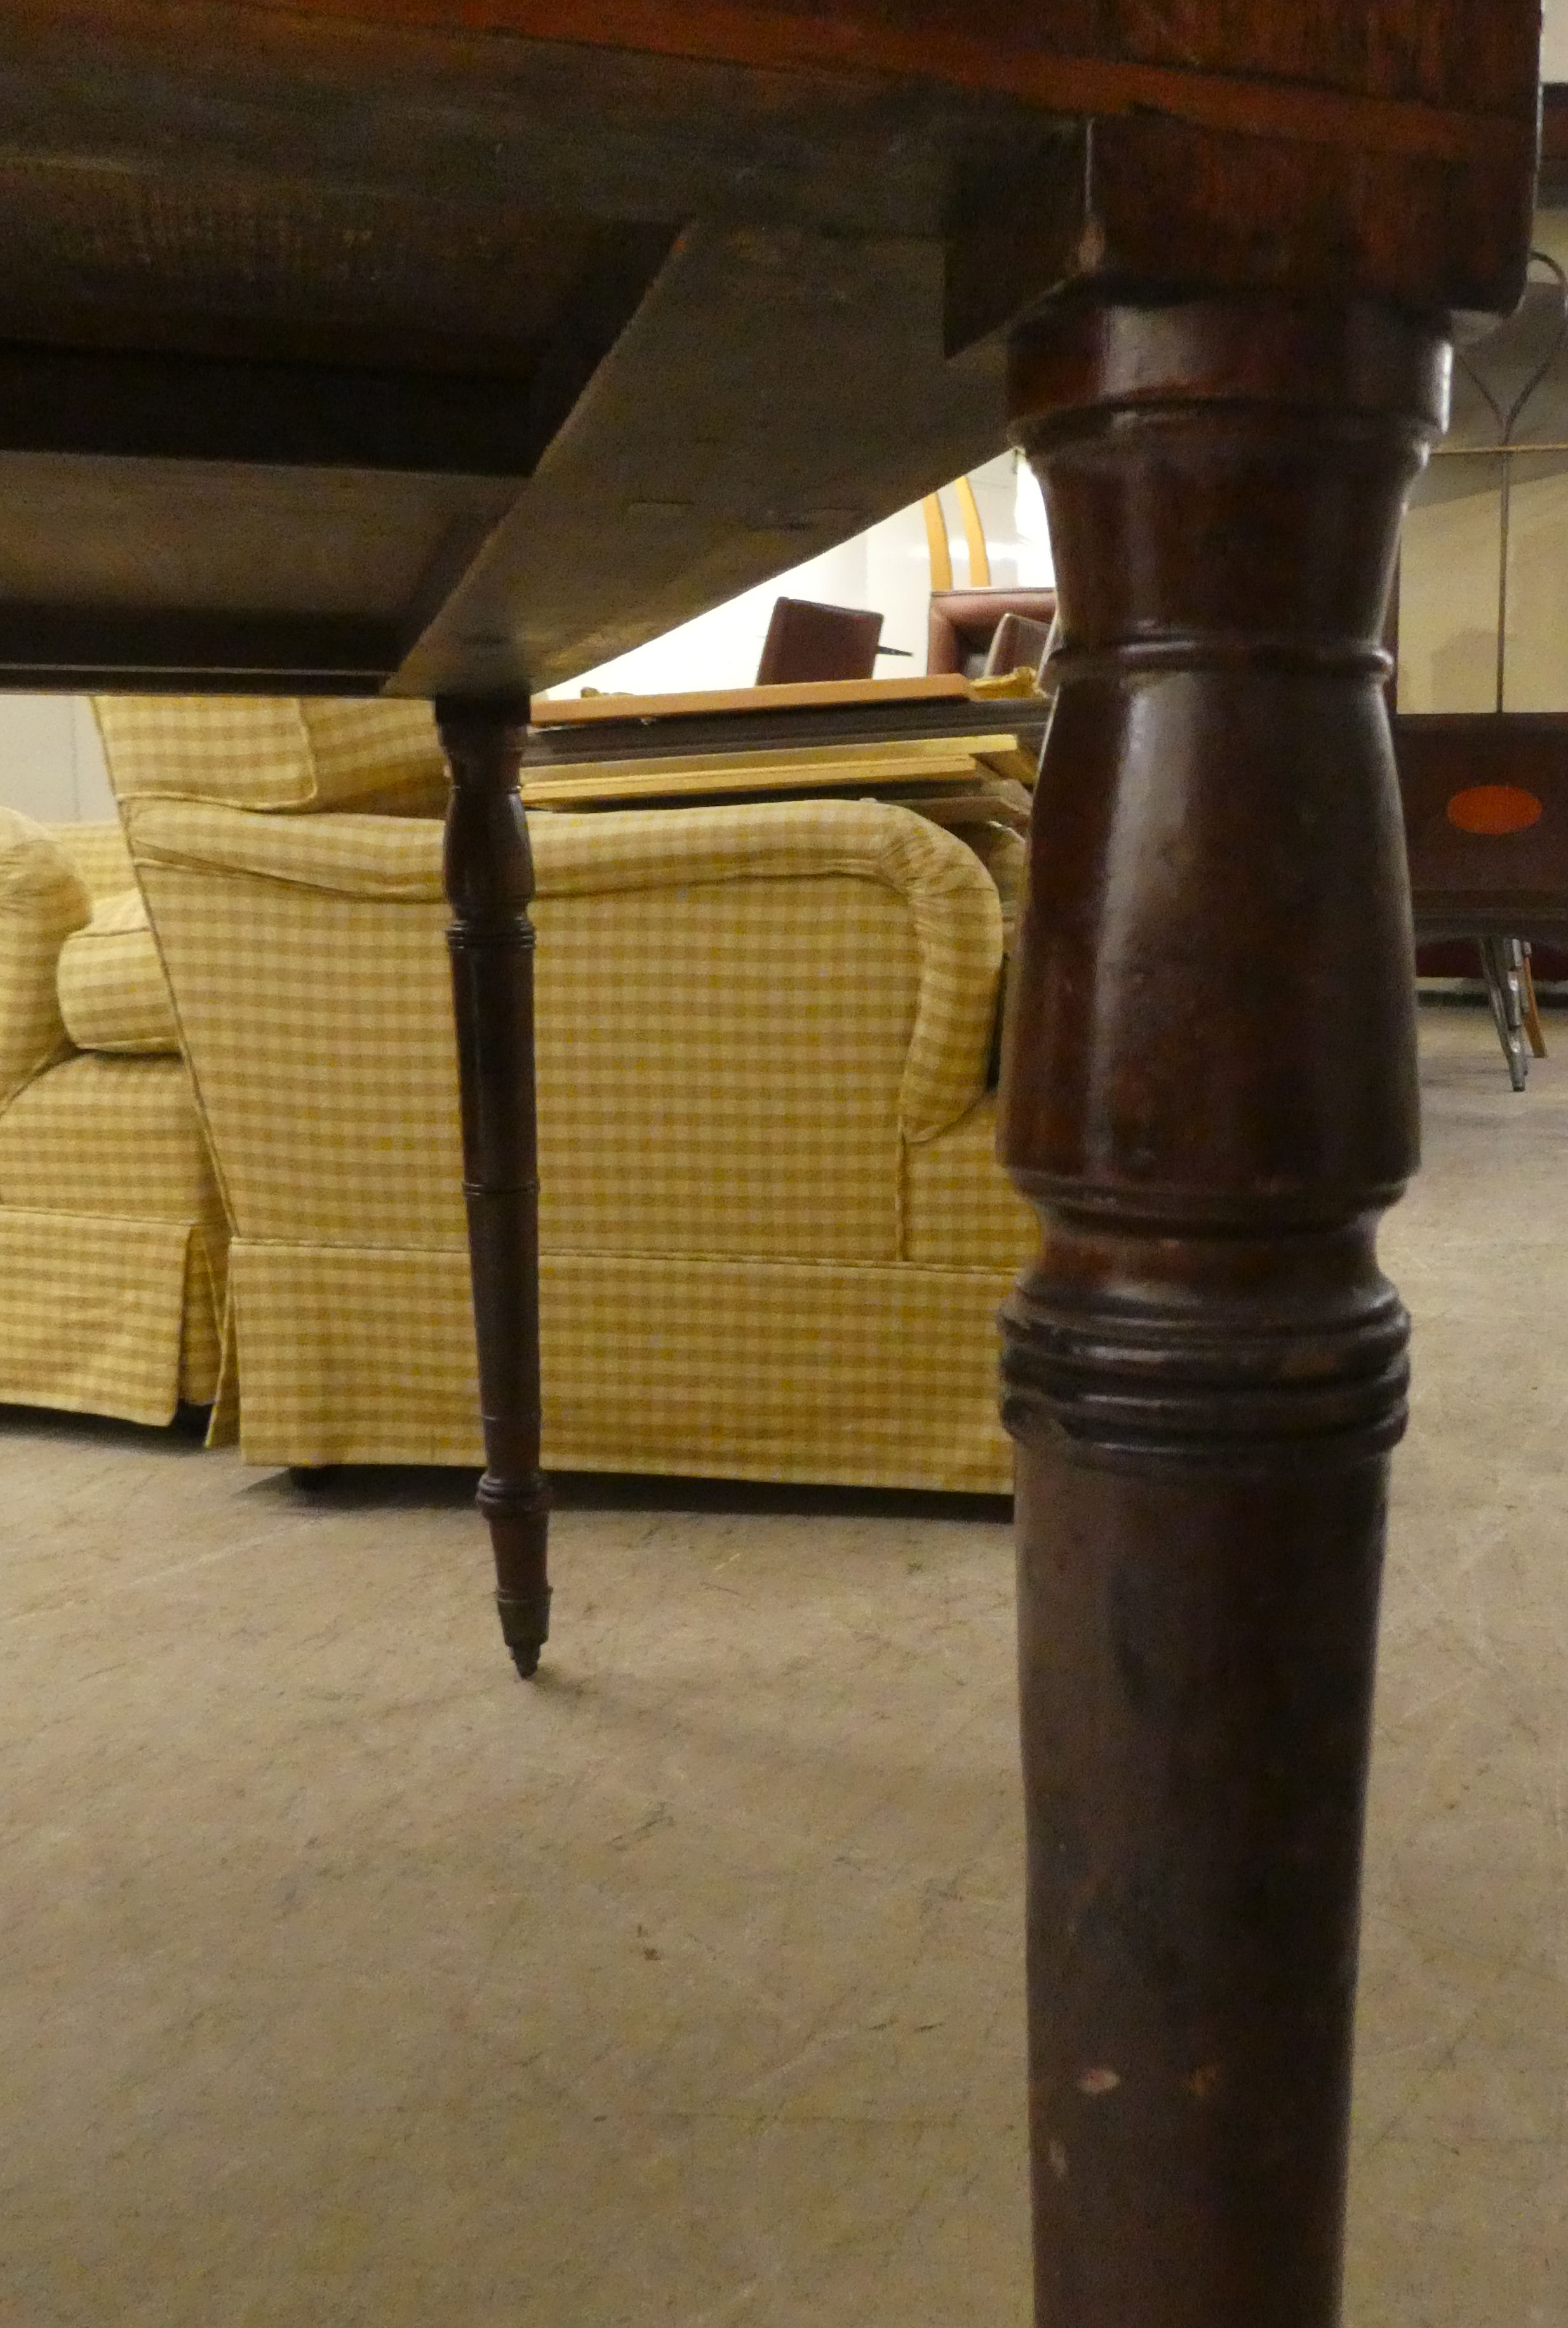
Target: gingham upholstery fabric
point(960, 1208)
point(111, 1236)
point(735, 1368)
point(42, 901)
point(380, 754)
point(748, 1018)
point(104, 1157)
point(100, 854)
point(113, 994)
point(272, 752)
point(99, 1316)
point(116, 1138)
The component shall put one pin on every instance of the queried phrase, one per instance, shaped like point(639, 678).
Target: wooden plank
point(597, 710)
point(78, 649)
point(200, 116)
point(775, 394)
point(1069, 60)
point(681, 780)
point(891, 725)
point(920, 761)
point(184, 407)
point(918, 750)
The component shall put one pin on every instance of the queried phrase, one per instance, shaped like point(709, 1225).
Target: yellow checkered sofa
point(773, 1233)
point(112, 1234)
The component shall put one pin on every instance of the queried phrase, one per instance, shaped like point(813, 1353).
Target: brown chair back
point(808, 641)
point(963, 623)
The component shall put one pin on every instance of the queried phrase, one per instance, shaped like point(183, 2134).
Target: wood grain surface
point(1384, 76)
point(1209, 1094)
point(509, 334)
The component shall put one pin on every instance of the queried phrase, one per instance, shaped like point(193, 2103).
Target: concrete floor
point(345, 1980)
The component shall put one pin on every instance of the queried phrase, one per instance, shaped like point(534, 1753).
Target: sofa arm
point(380, 859)
point(41, 900)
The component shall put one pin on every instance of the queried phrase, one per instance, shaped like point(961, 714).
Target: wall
point(887, 567)
point(1449, 572)
point(1555, 41)
point(50, 761)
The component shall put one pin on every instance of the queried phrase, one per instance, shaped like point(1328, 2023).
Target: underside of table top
point(456, 347)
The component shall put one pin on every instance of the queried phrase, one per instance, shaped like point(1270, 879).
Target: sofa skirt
point(104, 1316)
point(865, 1375)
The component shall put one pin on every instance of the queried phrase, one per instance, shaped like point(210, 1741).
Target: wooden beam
point(85, 648)
point(176, 406)
point(1013, 53)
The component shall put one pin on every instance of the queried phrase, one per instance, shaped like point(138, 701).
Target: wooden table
point(451, 345)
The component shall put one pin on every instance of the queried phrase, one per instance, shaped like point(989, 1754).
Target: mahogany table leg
point(1210, 1096)
point(489, 873)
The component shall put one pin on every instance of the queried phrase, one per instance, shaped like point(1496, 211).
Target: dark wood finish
point(1553, 173)
point(762, 729)
point(963, 624)
point(808, 641)
point(489, 876)
point(747, 266)
point(259, 244)
point(193, 652)
point(1199, 63)
point(1209, 1095)
point(1470, 884)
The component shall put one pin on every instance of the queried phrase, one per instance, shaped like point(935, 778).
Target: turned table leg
point(1209, 1097)
point(489, 876)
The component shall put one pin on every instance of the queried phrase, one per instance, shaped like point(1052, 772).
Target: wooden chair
point(964, 624)
point(806, 640)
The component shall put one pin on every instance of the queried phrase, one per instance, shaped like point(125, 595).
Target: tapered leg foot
point(519, 1520)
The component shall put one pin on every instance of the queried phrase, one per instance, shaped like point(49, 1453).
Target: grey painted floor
point(345, 1980)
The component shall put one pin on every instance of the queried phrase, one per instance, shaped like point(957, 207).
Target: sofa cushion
point(100, 854)
point(272, 752)
point(113, 995)
point(375, 756)
point(42, 900)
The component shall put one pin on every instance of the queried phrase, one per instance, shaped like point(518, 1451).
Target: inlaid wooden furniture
point(451, 345)
point(1481, 735)
point(1486, 819)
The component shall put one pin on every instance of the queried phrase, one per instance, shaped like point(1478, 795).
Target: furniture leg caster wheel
point(525, 1627)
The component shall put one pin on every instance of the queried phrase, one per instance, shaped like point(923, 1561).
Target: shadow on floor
point(411, 1486)
point(186, 1436)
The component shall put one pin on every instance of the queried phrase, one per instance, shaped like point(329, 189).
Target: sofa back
point(274, 753)
point(744, 1014)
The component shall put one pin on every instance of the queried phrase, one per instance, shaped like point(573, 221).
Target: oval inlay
point(1494, 809)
